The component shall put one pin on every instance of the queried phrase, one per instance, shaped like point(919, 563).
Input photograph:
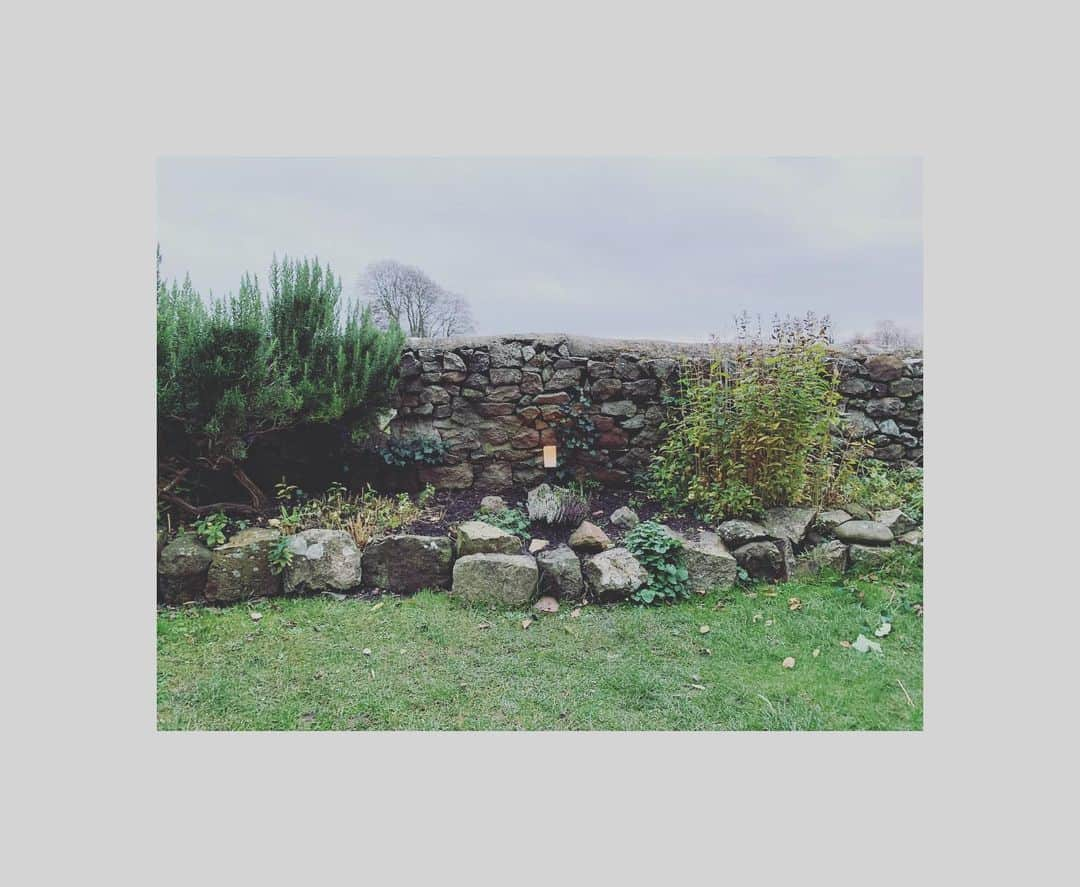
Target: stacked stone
point(883, 403)
point(497, 402)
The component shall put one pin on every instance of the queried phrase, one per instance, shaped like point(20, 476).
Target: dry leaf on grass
point(816, 653)
point(575, 612)
point(525, 623)
point(883, 629)
point(484, 625)
point(794, 604)
point(698, 686)
point(367, 651)
point(704, 629)
point(255, 615)
point(845, 644)
point(789, 662)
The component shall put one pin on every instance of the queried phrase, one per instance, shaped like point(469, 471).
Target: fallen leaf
point(757, 617)
point(484, 625)
point(525, 623)
point(376, 607)
point(255, 615)
point(704, 629)
point(367, 651)
point(698, 686)
point(845, 644)
point(816, 653)
point(789, 662)
point(883, 629)
point(575, 612)
point(863, 645)
point(794, 603)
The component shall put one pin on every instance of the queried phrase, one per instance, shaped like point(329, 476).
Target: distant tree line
point(404, 295)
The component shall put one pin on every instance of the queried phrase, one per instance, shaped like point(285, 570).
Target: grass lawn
point(437, 664)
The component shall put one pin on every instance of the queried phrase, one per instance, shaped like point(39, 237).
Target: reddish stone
point(613, 439)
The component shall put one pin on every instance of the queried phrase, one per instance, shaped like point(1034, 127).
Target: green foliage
point(752, 429)
point(212, 529)
point(244, 365)
point(660, 555)
point(513, 520)
point(877, 486)
point(281, 556)
point(419, 450)
point(364, 516)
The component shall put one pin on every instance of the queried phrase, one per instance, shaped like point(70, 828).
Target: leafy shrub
point(571, 508)
point(212, 529)
point(420, 450)
point(753, 428)
point(660, 555)
point(513, 520)
point(281, 556)
point(244, 366)
point(364, 516)
point(877, 486)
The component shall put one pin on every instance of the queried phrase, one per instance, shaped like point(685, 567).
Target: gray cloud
point(644, 247)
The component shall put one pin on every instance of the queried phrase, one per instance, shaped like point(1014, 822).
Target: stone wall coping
point(608, 349)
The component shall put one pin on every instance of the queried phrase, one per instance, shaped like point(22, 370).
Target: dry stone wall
point(496, 401)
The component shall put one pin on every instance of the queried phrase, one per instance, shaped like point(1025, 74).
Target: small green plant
point(281, 556)
point(402, 452)
point(877, 486)
point(513, 520)
point(212, 529)
point(660, 554)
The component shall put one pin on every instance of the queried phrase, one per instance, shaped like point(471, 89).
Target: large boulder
point(408, 563)
point(613, 574)
point(708, 562)
point(447, 477)
point(831, 555)
point(789, 523)
point(624, 518)
point(508, 580)
point(828, 521)
point(913, 538)
point(182, 569)
point(864, 532)
point(735, 533)
point(560, 573)
point(478, 537)
point(322, 560)
point(240, 569)
point(762, 560)
point(895, 519)
point(493, 504)
point(589, 538)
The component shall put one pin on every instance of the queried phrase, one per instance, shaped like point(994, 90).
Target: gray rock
point(859, 424)
point(323, 560)
point(827, 521)
point(452, 362)
point(854, 386)
point(478, 537)
point(831, 555)
point(560, 573)
point(789, 523)
point(505, 354)
point(589, 538)
point(864, 532)
point(618, 408)
point(447, 477)
point(913, 538)
point(624, 518)
point(505, 376)
point(884, 408)
point(762, 560)
point(240, 569)
point(889, 427)
point(493, 504)
point(508, 580)
point(182, 569)
point(895, 519)
point(613, 574)
point(408, 563)
point(708, 562)
point(858, 512)
point(738, 532)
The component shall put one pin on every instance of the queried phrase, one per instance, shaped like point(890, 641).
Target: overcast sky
point(663, 248)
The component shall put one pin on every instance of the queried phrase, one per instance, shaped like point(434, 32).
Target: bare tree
point(405, 294)
point(887, 334)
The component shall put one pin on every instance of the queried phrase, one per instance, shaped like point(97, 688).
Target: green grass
point(437, 664)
